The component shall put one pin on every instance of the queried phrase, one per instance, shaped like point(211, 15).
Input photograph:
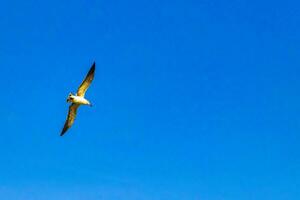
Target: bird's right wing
point(86, 82)
point(71, 117)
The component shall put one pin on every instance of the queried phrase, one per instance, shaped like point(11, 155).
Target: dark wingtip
point(94, 65)
point(92, 69)
point(63, 132)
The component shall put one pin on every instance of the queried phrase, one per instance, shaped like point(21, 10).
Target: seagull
point(78, 99)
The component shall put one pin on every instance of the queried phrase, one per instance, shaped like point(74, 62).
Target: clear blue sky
point(193, 100)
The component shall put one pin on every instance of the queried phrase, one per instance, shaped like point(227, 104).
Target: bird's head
point(70, 97)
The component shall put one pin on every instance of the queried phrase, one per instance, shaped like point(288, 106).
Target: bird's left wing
point(71, 117)
point(86, 82)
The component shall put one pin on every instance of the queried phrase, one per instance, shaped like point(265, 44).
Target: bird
point(78, 99)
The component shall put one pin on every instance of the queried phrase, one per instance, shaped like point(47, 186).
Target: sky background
point(193, 100)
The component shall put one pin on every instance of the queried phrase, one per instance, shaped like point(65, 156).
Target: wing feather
point(70, 119)
point(86, 82)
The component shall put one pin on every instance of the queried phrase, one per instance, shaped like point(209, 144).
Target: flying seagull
point(78, 99)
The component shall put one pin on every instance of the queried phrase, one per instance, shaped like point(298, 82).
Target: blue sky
point(192, 100)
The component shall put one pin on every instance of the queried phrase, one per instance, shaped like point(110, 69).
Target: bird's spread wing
point(86, 82)
point(71, 117)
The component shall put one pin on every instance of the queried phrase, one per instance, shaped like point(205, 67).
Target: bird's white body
point(78, 100)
